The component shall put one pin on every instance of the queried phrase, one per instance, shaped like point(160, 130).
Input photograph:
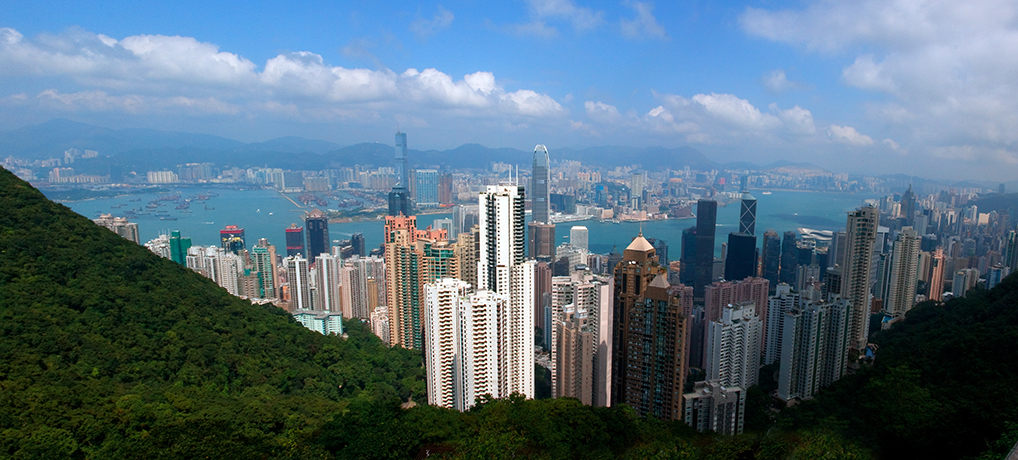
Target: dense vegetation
point(107, 351)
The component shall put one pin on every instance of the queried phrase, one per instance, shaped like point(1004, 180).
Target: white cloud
point(776, 81)
point(601, 112)
point(644, 24)
point(156, 72)
point(425, 28)
point(849, 136)
point(942, 70)
point(739, 112)
point(543, 11)
point(797, 119)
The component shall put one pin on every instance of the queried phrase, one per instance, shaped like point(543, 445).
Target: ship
point(167, 218)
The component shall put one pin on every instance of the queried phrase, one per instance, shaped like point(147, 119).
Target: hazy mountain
point(291, 144)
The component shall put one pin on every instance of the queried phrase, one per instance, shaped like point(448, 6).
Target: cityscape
point(552, 229)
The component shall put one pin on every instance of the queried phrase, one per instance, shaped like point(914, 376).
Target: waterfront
point(265, 213)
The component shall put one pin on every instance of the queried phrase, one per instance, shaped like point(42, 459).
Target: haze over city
point(922, 88)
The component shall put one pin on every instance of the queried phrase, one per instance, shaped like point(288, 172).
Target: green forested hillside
point(107, 351)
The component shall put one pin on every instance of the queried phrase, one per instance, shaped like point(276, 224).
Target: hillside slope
point(108, 351)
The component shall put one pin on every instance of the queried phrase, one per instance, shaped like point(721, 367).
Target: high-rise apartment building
point(783, 301)
point(648, 336)
point(403, 272)
point(263, 261)
point(732, 348)
point(298, 278)
point(901, 290)
point(541, 243)
point(328, 272)
point(578, 236)
point(119, 225)
point(706, 224)
point(814, 348)
point(936, 284)
point(860, 236)
point(589, 299)
point(317, 225)
point(713, 407)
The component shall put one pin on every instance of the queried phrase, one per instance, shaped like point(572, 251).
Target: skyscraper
point(860, 234)
point(936, 289)
point(581, 306)
point(578, 237)
point(687, 260)
point(328, 270)
point(901, 290)
point(648, 336)
point(541, 243)
point(403, 271)
point(706, 223)
point(771, 257)
point(399, 197)
point(263, 260)
point(740, 262)
point(427, 188)
point(318, 234)
point(747, 218)
point(732, 354)
point(294, 240)
point(120, 226)
point(539, 191)
point(299, 280)
point(232, 239)
point(501, 269)
point(813, 348)
point(357, 243)
point(789, 259)
point(178, 247)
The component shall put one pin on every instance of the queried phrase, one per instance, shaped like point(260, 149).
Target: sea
point(266, 213)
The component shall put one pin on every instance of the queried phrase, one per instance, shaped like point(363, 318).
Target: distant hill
point(290, 144)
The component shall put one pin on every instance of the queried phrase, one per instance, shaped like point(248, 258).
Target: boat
point(765, 193)
point(207, 208)
point(167, 218)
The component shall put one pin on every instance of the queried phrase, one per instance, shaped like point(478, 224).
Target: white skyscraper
point(578, 237)
point(462, 344)
point(732, 348)
point(861, 236)
point(299, 279)
point(814, 348)
point(329, 270)
point(501, 269)
point(591, 297)
point(780, 303)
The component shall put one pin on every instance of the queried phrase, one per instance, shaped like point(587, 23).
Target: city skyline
point(912, 87)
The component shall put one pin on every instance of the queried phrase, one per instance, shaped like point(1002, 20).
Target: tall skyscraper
point(540, 194)
point(732, 348)
point(328, 271)
point(263, 260)
point(399, 197)
point(936, 289)
point(581, 306)
point(357, 243)
point(901, 290)
point(501, 269)
point(687, 260)
point(740, 262)
point(789, 259)
point(783, 301)
point(403, 271)
point(318, 234)
point(541, 243)
point(771, 257)
point(861, 235)
point(648, 336)
point(294, 240)
point(747, 217)
point(706, 224)
point(178, 247)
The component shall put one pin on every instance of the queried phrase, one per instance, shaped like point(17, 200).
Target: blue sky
point(924, 87)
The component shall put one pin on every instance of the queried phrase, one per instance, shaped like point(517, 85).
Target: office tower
point(578, 237)
point(328, 270)
point(263, 261)
point(427, 188)
point(403, 271)
point(789, 258)
point(908, 206)
point(648, 336)
point(542, 300)
point(445, 224)
point(589, 299)
point(860, 237)
point(399, 197)
point(464, 217)
point(318, 234)
point(904, 270)
point(294, 240)
point(179, 247)
point(747, 217)
point(445, 191)
point(541, 241)
point(732, 348)
point(740, 262)
point(771, 257)
point(539, 189)
point(299, 280)
point(120, 226)
point(813, 349)
point(706, 223)
point(661, 247)
point(713, 407)
point(783, 301)
point(936, 289)
point(232, 239)
point(687, 260)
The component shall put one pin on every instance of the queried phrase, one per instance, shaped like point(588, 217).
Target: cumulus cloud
point(849, 136)
point(155, 72)
point(601, 112)
point(776, 81)
point(644, 24)
point(943, 70)
point(424, 28)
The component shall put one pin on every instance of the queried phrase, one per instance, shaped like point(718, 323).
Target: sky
point(928, 88)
